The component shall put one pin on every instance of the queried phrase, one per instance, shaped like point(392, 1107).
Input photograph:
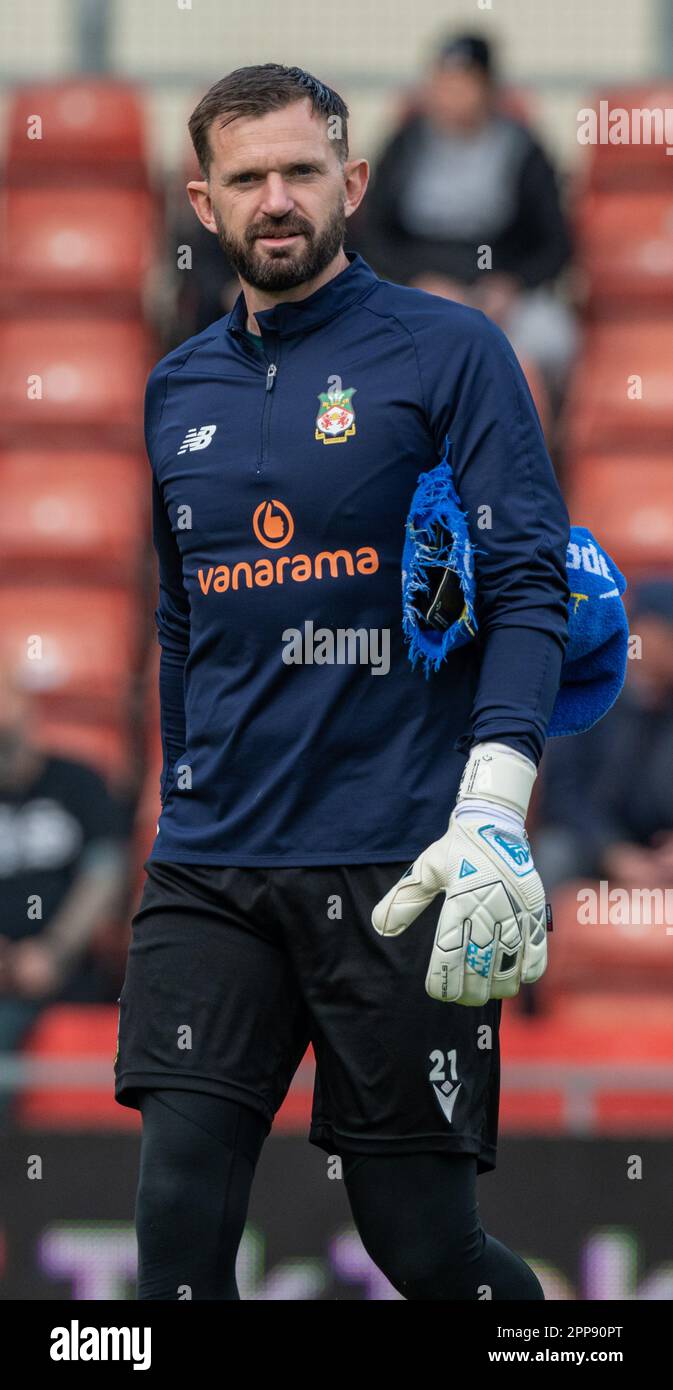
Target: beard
point(289, 266)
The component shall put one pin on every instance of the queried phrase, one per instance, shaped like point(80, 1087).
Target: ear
point(199, 197)
point(356, 178)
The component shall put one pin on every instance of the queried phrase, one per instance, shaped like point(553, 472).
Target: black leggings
point(416, 1214)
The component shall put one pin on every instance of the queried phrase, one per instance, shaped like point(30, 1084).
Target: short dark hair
point(255, 90)
point(467, 51)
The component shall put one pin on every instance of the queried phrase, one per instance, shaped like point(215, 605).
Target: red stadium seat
point(632, 165)
point(584, 1061)
point(606, 954)
point(84, 513)
point(73, 1037)
point(76, 1036)
point(88, 129)
point(625, 248)
point(78, 245)
point(72, 646)
point(71, 378)
point(602, 410)
point(627, 500)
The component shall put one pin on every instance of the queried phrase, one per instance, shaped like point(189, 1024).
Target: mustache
point(278, 231)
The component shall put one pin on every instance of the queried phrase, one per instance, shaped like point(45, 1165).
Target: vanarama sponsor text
point(327, 564)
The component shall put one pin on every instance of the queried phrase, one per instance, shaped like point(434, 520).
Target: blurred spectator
point(606, 808)
point(210, 287)
point(458, 176)
point(62, 866)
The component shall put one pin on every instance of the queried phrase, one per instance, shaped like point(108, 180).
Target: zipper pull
point(271, 375)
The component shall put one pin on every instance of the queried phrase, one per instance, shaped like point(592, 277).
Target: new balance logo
point(197, 439)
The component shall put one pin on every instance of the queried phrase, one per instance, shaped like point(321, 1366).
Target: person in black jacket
point(464, 203)
point(62, 873)
point(606, 809)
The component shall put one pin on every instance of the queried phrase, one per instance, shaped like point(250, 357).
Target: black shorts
point(232, 972)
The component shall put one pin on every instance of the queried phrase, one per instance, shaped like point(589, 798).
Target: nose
point(276, 200)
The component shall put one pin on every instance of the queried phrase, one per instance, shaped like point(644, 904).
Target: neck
point(257, 300)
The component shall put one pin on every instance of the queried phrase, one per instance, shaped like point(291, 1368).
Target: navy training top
point(294, 729)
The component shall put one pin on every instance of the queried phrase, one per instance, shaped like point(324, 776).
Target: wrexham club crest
point(336, 416)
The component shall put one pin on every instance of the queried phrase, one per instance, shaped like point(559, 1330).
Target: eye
point(304, 169)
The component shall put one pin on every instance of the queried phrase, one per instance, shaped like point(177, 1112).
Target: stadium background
point(91, 294)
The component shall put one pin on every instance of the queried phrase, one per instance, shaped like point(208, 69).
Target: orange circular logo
point(273, 524)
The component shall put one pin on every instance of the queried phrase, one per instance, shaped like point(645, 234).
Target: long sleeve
point(172, 613)
point(172, 620)
point(478, 398)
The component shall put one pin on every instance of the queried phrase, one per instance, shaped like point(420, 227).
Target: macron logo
point(197, 439)
point(447, 1096)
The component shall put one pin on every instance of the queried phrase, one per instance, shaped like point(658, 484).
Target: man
point(300, 781)
point(607, 817)
point(62, 862)
point(464, 202)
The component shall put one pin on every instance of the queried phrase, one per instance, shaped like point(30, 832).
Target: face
point(458, 98)
point(277, 196)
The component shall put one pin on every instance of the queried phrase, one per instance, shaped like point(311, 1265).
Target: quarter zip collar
point(297, 316)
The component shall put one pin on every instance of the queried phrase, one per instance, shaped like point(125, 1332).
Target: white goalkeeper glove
point(492, 930)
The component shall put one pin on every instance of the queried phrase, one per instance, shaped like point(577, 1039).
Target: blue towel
point(594, 665)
